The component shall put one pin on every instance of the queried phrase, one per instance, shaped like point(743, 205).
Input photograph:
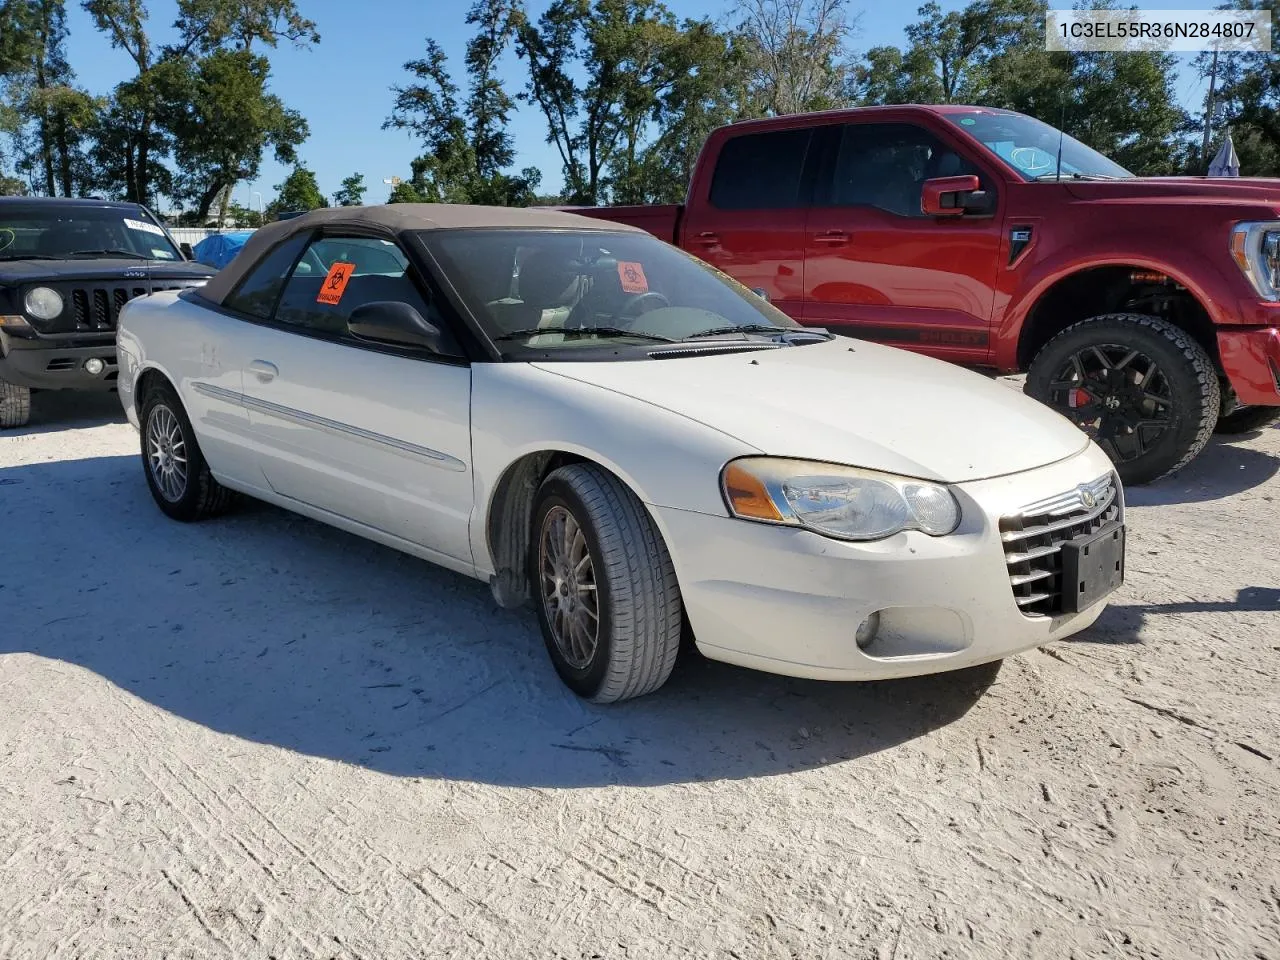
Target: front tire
point(177, 473)
point(1143, 388)
point(15, 405)
point(1247, 420)
point(605, 589)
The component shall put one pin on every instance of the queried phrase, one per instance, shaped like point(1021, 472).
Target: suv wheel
point(604, 586)
point(179, 477)
point(15, 405)
point(1138, 385)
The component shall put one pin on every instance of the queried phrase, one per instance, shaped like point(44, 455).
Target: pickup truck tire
point(1143, 388)
point(177, 473)
point(15, 405)
point(604, 586)
point(1247, 420)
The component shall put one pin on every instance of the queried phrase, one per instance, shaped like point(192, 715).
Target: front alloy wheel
point(166, 453)
point(570, 600)
point(180, 480)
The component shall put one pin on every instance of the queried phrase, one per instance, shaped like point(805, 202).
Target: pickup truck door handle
point(264, 370)
point(832, 236)
point(707, 238)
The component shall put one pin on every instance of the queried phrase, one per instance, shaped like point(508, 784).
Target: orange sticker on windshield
point(632, 276)
point(335, 282)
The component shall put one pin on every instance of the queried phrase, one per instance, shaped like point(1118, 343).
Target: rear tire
point(1247, 420)
point(1143, 388)
point(604, 586)
point(15, 405)
point(177, 473)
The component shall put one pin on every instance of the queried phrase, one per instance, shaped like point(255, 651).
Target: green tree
point(795, 52)
point(467, 146)
point(405, 192)
point(351, 193)
point(300, 191)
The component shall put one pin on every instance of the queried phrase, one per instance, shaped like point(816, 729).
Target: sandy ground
point(259, 737)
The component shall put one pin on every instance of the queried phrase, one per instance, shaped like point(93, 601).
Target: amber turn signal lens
point(14, 323)
point(747, 496)
point(1238, 250)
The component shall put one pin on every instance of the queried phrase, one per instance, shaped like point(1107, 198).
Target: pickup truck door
point(876, 267)
point(375, 434)
point(748, 218)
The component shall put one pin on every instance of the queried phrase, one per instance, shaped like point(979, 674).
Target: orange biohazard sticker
point(632, 276)
point(335, 282)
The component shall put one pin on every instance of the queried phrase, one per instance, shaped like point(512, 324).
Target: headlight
point(1255, 247)
point(841, 502)
point(43, 303)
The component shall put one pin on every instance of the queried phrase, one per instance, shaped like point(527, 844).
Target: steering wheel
point(636, 299)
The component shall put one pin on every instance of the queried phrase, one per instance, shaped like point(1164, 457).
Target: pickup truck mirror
point(394, 322)
point(946, 196)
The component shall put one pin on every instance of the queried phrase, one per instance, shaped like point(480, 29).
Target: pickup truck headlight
point(836, 501)
point(1255, 247)
point(43, 303)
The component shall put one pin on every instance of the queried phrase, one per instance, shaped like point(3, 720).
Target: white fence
point(194, 235)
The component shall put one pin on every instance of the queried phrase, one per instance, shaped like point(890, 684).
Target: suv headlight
point(836, 501)
point(43, 303)
point(1255, 247)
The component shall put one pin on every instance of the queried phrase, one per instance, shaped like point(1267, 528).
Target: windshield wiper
point(737, 328)
point(28, 256)
point(1075, 176)
point(583, 332)
point(108, 253)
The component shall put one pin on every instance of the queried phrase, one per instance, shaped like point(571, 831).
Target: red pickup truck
point(1147, 310)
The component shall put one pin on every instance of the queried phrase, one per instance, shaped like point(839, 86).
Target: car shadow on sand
point(282, 631)
point(1224, 468)
point(56, 410)
point(1121, 623)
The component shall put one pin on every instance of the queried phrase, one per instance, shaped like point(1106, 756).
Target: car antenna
point(1062, 120)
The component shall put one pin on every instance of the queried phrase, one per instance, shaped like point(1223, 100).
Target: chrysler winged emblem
point(1087, 498)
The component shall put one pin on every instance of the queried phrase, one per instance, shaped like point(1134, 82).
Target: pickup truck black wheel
point(15, 405)
point(604, 586)
point(1247, 419)
point(1138, 385)
point(179, 477)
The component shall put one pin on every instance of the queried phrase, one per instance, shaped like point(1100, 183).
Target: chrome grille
point(1034, 536)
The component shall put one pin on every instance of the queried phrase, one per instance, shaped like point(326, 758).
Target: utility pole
point(1208, 108)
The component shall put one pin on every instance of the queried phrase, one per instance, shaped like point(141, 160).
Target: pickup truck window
point(1031, 147)
point(885, 165)
point(761, 171)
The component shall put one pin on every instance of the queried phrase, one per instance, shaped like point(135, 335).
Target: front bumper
point(1251, 361)
point(50, 365)
point(789, 601)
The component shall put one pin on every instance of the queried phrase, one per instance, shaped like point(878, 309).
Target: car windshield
point(53, 231)
point(1031, 147)
point(567, 290)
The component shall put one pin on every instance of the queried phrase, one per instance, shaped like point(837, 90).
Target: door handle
point(832, 236)
point(708, 239)
point(264, 370)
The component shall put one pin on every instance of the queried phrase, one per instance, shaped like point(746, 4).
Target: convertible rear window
point(569, 289)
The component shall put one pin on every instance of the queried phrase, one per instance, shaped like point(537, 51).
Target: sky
point(343, 85)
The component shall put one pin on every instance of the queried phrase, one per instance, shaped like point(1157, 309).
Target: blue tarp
point(219, 249)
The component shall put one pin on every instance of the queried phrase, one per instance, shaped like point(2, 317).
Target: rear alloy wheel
point(606, 591)
point(1139, 386)
point(180, 480)
point(1247, 419)
point(15, 405)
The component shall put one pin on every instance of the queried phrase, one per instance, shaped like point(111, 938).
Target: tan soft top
point(396, 218)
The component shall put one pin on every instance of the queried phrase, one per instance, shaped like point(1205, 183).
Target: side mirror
point(948, 196)
point(187, 251)
point(761, 292)
point(395, 322)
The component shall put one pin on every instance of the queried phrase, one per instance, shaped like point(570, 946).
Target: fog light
point(93, 366)
point(867, 631)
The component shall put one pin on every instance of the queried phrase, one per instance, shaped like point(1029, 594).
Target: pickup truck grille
point(1034, 536)
point(95, 308)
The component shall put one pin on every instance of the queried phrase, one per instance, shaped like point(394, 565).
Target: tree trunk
point(64, 156)
point(206, 201)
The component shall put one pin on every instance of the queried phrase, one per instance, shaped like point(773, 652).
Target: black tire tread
point(647, 610)
point(1201, 365)
point(15, 405)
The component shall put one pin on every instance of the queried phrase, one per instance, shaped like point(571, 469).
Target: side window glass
point(885, 165)
point(761, 171)
point(259, 290)
point(338, 274)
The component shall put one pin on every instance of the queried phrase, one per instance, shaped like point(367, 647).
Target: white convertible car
point(586, 417)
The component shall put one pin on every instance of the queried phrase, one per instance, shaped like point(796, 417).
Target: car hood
point(1215, 190)
point(851, 402)
point(30, 271)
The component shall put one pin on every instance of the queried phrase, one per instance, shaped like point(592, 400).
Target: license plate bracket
point(1092, 567)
